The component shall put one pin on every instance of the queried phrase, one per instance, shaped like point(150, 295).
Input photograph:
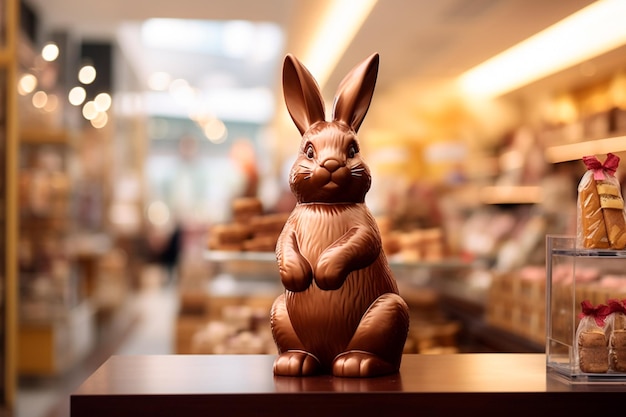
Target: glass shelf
point(235, 256)
point(262, 265)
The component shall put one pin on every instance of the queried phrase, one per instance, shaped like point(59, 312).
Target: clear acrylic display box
point(574, 275)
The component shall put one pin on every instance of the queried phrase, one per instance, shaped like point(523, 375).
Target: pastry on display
point(601, 216)
point(617, 335)
point(245, 208)
point(251, 230)
point(228, 236)
point(593, 352)
point(592, 343)
point(617, 349)
point(268, 224)
point(261, 243)
point(265, 231)
point(340, 313)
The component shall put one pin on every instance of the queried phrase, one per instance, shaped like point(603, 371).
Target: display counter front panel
point(241, 385)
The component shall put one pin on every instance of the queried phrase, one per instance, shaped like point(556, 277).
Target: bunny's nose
point(331, 165)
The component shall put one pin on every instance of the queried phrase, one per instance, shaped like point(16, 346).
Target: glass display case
point(582, 283)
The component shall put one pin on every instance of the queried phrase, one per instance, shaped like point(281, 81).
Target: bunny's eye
point(352, 151)
point(310, 153)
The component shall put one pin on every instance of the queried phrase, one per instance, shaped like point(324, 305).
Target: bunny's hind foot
point(296, 363)
point(358, 364)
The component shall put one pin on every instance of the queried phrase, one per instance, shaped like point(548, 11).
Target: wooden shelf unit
point(9, 28)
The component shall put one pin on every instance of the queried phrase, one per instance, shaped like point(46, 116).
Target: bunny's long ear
point(302, 94)
point(355, 92)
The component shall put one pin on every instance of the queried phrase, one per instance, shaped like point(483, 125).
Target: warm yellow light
point(335, 31)
point(159, 81)
point(103, 102)
point(27, 84)
point(87, 74)
point(89, 110)
point(100, 120)
point(40, 98)
point(593, 30)
point(158, 213)
point(215, 130)
point(52, 103)
point(77, 96)
point(50, 52)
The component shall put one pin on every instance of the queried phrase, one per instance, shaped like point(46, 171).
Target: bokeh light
point(87, 74)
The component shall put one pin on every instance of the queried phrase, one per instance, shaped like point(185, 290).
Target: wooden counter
point(242, 385)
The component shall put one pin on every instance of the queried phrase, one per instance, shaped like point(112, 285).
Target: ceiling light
point(77, 96)
point(158, 213)
point(40, 98)
point(51, 103)
point(50, 52)
point(27, 84)
point(159, 81)
point(182, 91)
point(89, 110)
point(335, 31)
point(238, 37)
point(215, 131)
point(100, 120)
point(87, 74)
point(103, 102)
point(592, 31)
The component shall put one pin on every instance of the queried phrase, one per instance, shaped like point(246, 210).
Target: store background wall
point(441, 163)
point(427, 142)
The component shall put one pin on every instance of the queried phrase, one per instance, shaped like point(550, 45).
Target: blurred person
point(244, 157)
point(183, 192)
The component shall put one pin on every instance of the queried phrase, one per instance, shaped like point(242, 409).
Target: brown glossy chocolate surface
point(241, 385)
point(340, 313)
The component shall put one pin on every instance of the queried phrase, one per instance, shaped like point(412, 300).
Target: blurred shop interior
point(147, 149)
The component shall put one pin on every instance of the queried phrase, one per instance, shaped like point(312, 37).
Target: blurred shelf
point(51, 346)
point(42, 136)
point(230, 256)
point(463, 289)
point(511, 194)
point(573, 151)
point(6, 57)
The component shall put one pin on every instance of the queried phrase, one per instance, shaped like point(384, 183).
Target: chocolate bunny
point(340, 312)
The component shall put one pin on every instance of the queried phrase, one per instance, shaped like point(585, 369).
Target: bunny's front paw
point(329, 275)
point(296, 274)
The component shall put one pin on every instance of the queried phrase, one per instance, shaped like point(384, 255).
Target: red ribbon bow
point(598, 312)
point(616, 306)
point(599, 169)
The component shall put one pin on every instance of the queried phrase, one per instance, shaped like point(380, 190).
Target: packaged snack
point(616, 326)
point(601, 218)
point(592, 345)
